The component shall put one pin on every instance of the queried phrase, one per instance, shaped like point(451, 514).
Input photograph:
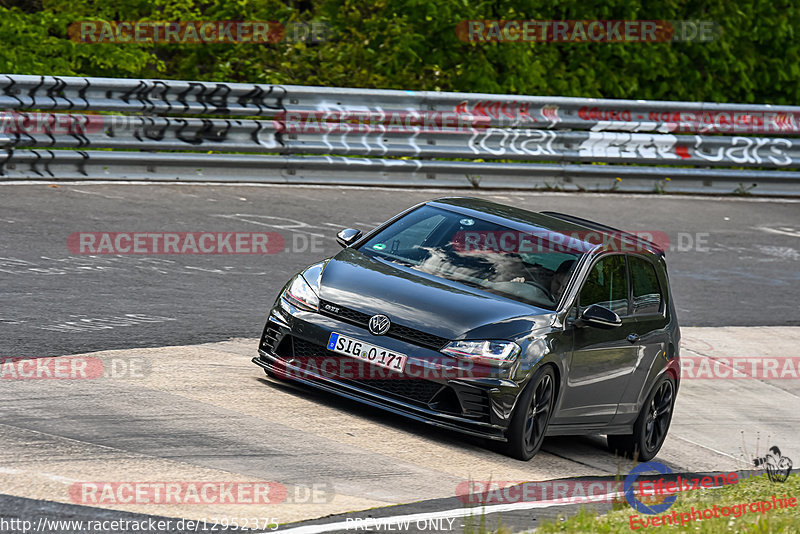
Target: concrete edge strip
point(372, 522)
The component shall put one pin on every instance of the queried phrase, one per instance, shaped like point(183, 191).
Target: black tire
point(528, 425)
point(651, 426)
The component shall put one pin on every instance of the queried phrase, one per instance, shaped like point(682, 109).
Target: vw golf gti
point(489, 320)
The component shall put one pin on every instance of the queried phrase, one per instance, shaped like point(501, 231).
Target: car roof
point(569, 226)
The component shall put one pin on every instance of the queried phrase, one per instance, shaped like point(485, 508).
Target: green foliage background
point(412, 44)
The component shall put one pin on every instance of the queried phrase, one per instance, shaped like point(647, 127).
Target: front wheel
point(528, 424)
point(651, 426)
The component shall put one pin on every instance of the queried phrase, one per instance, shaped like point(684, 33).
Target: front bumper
point(471, 405)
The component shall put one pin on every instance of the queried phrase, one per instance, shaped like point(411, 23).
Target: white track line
point(382, 522)
point(712, 449)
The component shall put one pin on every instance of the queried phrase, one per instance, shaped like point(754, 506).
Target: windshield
point(523, 266)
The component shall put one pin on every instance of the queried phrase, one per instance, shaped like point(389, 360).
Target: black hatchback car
point(490, 320)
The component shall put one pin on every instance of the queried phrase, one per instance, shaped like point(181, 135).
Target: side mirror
point(599, 317)
point(347, 237)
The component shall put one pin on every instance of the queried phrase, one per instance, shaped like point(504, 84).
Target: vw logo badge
point(379, 324)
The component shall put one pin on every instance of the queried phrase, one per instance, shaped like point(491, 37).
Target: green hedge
point(412, 44)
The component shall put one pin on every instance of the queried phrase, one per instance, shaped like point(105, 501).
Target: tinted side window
point(647, 296)
point(607, 286)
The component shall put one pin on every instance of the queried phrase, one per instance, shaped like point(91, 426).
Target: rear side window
point(607, 285)
point(647, 297)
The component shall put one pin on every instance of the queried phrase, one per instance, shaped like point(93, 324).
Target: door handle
point(633, 338)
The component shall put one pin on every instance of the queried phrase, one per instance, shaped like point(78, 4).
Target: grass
point(746, 491)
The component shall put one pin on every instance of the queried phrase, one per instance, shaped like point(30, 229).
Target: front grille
point(417, 337)
point(396, 331)
point(414, 389)
point(351, 316)
point(306, 349)
point(409, 388)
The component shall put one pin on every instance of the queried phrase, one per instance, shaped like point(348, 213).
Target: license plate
point(373, 354)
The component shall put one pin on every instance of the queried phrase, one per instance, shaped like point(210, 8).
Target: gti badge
point(379, 324)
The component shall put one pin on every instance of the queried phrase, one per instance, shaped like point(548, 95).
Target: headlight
point(301, 295)
point(489, 352)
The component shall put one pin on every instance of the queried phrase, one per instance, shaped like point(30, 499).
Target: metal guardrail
point(291, 136)
point(388, 137)
point(49, 165)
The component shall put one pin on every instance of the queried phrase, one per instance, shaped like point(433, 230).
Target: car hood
point(424, 302)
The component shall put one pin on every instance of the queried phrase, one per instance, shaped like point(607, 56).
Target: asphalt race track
point(180, 400)
point(746, 261)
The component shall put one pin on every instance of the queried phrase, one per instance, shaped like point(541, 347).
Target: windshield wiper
point(393, 259)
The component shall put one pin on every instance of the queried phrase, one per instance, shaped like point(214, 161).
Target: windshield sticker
point(467, 222)
point(379, 246)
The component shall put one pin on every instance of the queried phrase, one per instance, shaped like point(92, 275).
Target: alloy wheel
point(658, 416)
point(539, 411)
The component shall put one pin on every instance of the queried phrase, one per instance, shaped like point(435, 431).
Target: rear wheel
point(651, 426)
point(528, 424)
